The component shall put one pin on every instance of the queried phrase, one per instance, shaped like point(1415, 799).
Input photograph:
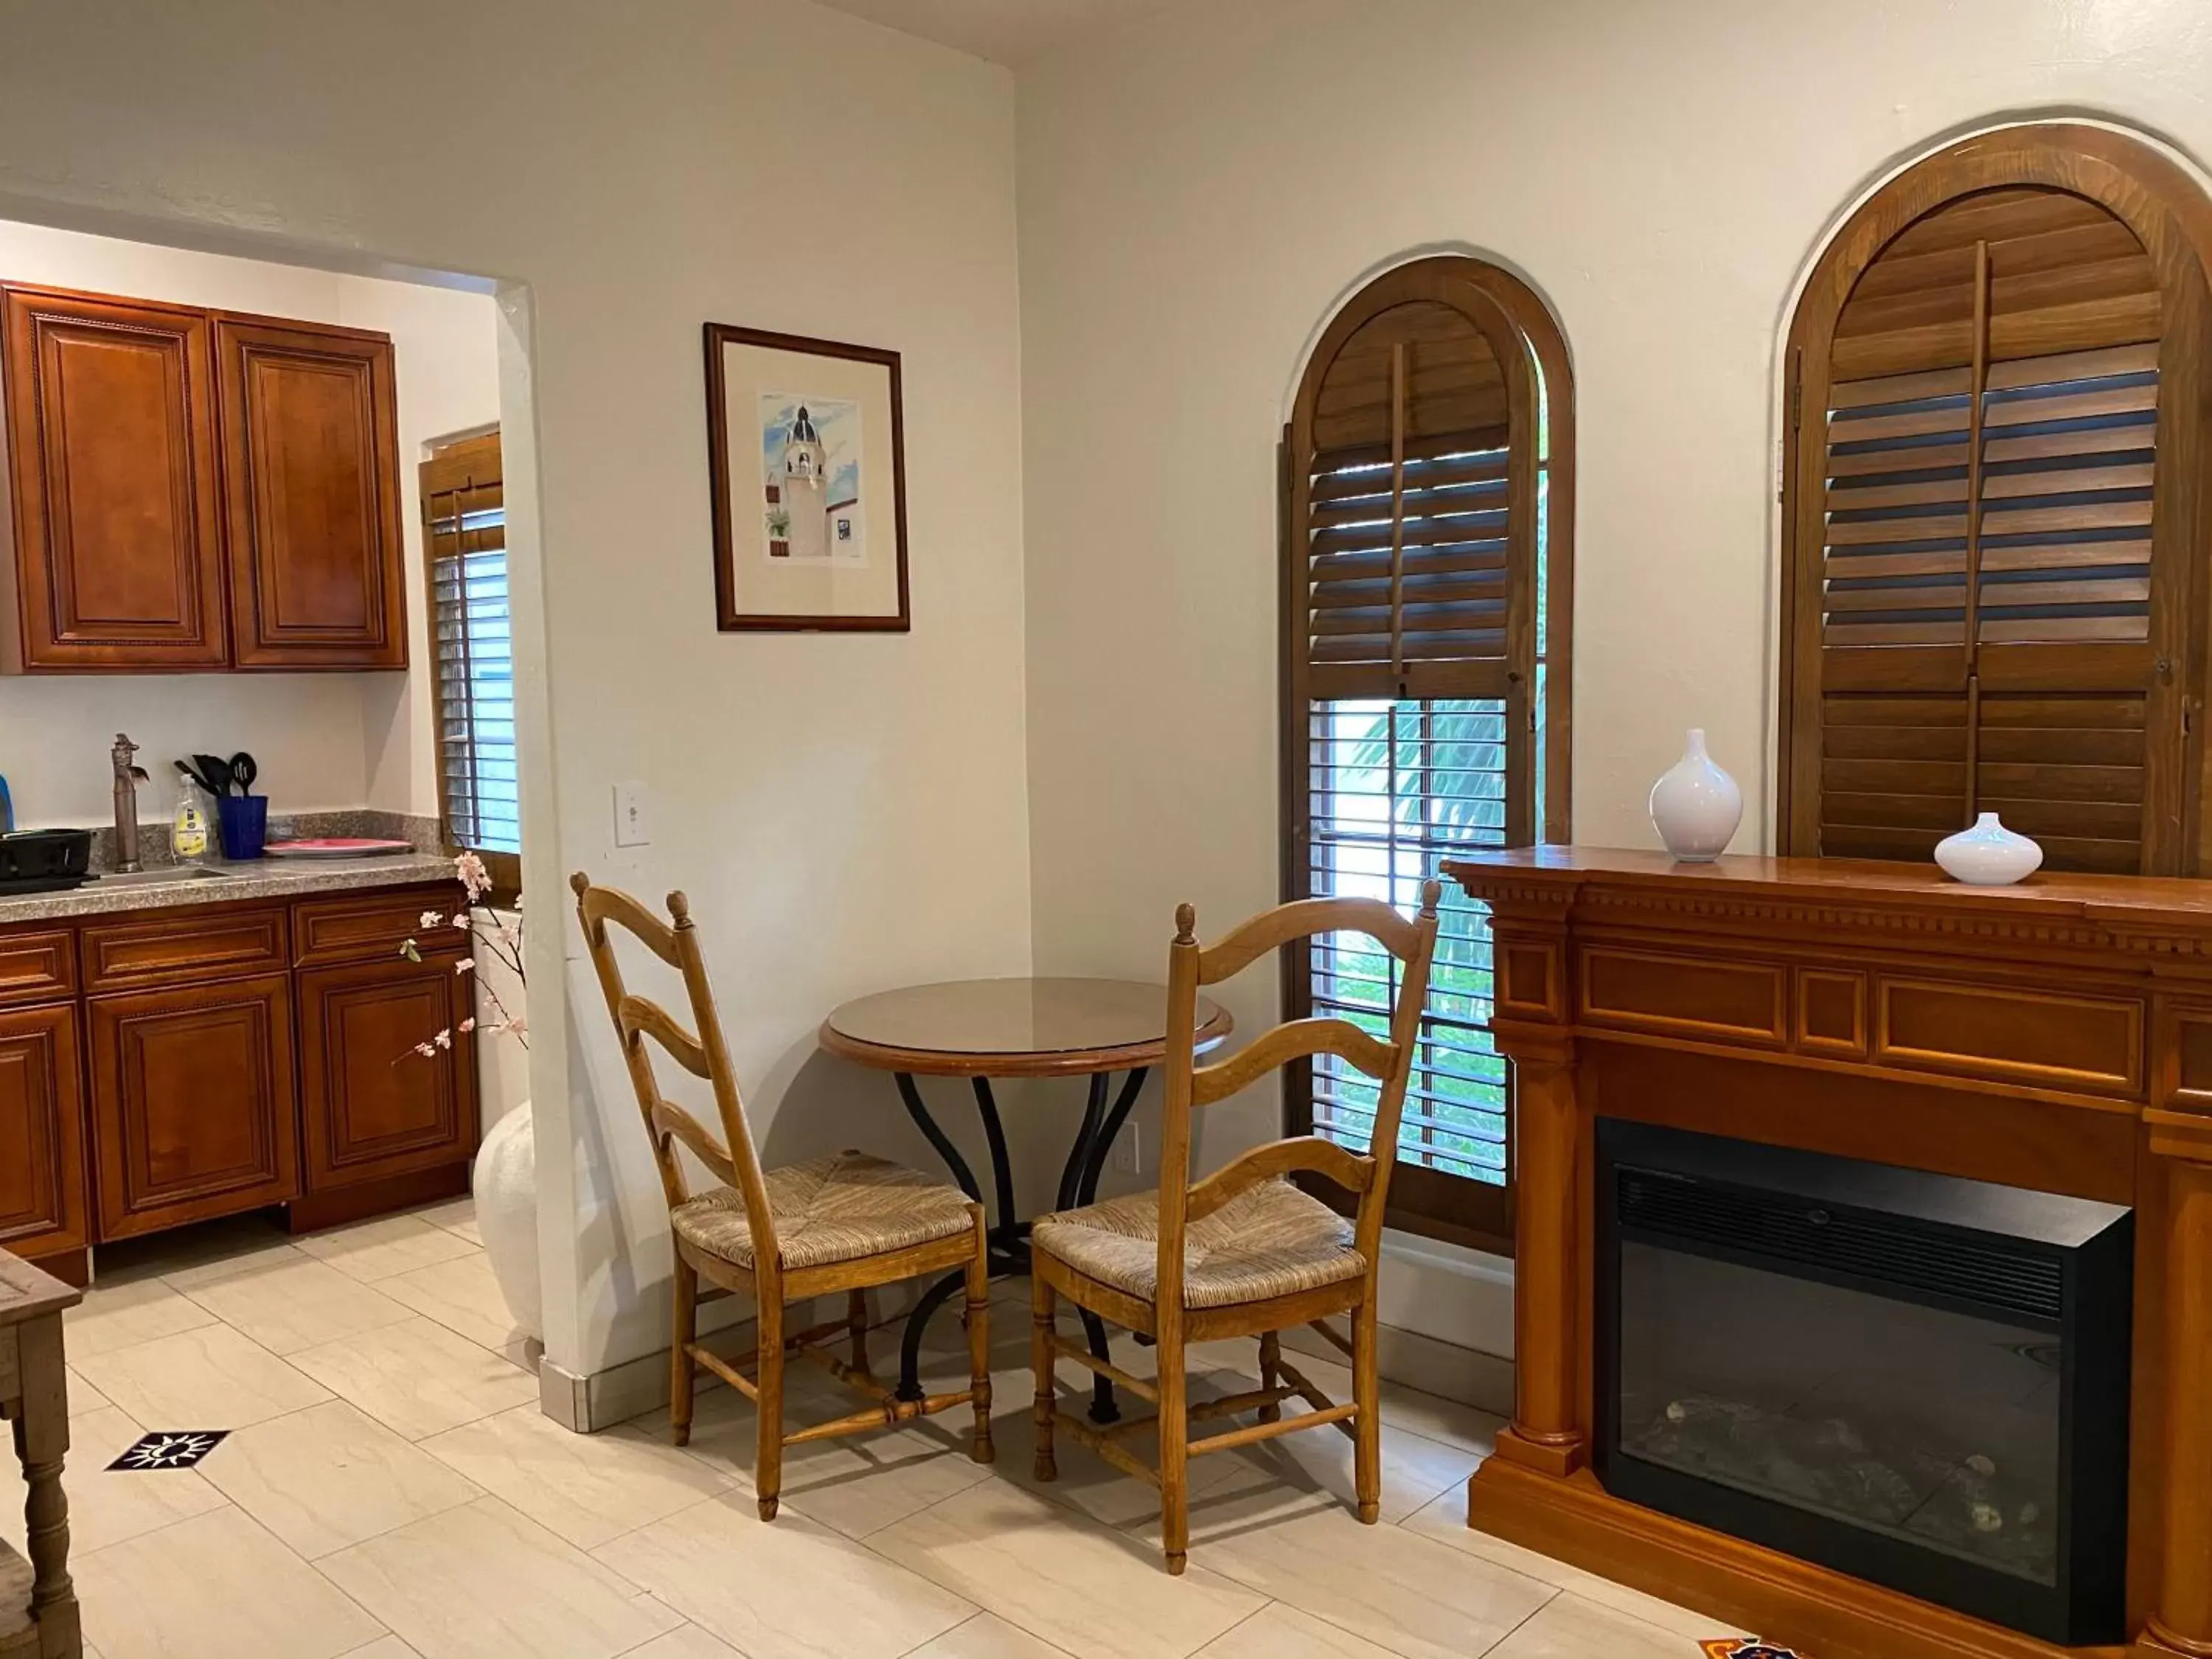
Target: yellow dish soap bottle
point(188, 830)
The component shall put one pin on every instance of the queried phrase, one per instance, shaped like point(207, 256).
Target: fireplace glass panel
point(1937, 1428)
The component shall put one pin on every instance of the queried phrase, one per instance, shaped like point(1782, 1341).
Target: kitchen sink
point(167, 873)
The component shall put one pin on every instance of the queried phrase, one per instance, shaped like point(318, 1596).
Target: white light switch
point(633, 827)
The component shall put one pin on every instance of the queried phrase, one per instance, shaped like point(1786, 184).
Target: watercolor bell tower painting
point(811, 478)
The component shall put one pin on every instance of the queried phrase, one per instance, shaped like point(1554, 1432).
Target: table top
point(1004, 1028)
point(26, 1291)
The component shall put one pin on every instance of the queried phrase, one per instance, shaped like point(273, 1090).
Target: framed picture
point(806, 443)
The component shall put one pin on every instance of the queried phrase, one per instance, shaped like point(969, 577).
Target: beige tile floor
point(390, 1491)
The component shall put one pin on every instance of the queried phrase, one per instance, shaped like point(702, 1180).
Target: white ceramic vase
point(1696, 807)
point(505, 1185)
point(1988, 854)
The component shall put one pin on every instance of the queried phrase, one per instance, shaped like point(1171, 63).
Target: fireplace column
point(2183, 1622)
point(1547, 1433)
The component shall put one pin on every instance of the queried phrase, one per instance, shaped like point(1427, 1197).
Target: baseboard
point(1473, 1378)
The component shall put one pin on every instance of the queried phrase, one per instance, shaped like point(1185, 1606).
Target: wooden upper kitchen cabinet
point(198, 490)
point(311, 495)
point(112, 453)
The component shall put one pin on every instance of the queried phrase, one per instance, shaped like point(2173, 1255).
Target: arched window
point(1994, 506)
point(1428, 484)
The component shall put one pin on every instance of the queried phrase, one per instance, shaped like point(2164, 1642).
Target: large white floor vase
point(1988, 854)
point(1695, 806)
point(505, 1185)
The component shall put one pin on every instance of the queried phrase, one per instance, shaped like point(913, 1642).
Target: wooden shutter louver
point(464, 542)
point(1995, 543)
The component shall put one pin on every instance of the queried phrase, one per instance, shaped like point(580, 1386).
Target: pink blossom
point(462, 919)
point(464, 964)
point(468, 1025)
point(427, 1050)
point(444, 1039)
point(469, 870)
point(431, 919)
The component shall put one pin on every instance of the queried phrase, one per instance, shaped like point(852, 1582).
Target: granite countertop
point(256, 879)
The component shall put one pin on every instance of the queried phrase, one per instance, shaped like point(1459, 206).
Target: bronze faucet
point(127, 780)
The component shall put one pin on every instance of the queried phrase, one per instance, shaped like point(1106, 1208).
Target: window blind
point(1996, 625)
point(466, 540)
point(1414, 639)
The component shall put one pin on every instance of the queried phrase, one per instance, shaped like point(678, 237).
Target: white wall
point(1200, 190)
point(322, 740)
point(846, 813)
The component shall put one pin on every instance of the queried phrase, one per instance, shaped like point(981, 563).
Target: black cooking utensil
point(213, 773)
point(244, 769)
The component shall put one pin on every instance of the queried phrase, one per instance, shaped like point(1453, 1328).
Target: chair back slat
point(639, 1015)
point(706, 1055)
point(1188, 1086)
point(1297, 1039)
point(1271, 930)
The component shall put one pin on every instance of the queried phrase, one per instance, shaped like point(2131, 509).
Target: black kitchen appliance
point(45, 861)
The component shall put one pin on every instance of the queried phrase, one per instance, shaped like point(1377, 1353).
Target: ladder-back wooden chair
point(847, 1222)
point(1243, 1252)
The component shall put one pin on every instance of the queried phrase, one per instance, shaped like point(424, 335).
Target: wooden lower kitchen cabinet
point(194, 1108)
point(42, 1207)
point(371, 1107)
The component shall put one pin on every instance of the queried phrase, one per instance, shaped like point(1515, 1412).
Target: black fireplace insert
point(1918, 1380)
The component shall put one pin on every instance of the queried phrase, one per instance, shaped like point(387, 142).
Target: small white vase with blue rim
point(1695, 806)
point(1988, 854)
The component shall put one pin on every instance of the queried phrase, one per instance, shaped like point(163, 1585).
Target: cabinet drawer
point(372, 926)
point(37, 968)
point(183, 947)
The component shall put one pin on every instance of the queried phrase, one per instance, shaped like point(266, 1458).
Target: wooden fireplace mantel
point(2055, 1035)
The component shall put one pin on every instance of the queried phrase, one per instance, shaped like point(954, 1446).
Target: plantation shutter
point(465, 541)
point(1998, 626)
point(1412, 659)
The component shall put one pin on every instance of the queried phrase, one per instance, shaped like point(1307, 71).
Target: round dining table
point(987, 1029)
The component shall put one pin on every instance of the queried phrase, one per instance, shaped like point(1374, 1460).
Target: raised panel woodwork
point(372, 926)
point(37, 968)
point(112, 453)
point(311, 495)
point(372, 1107)
point(2184, 1043)
point(193, 1102)
point(1832, 1010)
point(1528, 979)
point(41, 1132)
point(1689, 996)
point(2051, 1038)
point(182, 946)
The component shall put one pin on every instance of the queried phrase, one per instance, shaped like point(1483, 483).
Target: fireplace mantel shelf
point(2056, 1035)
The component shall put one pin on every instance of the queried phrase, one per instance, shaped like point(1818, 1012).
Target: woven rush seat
point(1271, 1240)
point(838, 1208)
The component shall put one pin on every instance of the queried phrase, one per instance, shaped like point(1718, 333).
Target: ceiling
point(1003, 31)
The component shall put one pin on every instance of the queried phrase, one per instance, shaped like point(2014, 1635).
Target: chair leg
point(856, 1321)
point(683, 1371)
point(1041, 1364)
point(768, 1422)
point(1367, 1427)
point(1175, 1449)
point(1270, 1360)
point(979, 1340)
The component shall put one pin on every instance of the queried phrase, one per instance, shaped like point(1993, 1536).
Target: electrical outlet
point(1128, 1150)
point(633, 827)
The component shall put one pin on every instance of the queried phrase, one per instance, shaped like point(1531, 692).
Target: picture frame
point(806, 458)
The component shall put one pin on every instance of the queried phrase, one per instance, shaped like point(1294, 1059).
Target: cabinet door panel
point(41, 1132)
point(112, 451)
point(193, 1103)
point(373, 1107)
point(312, 496)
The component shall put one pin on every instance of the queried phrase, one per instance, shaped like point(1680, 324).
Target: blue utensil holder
point(243, 821)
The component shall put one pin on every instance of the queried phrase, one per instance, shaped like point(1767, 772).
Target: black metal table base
point(1009, 1238)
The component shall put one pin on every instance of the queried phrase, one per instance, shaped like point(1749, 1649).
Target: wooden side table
point(38, 1604)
